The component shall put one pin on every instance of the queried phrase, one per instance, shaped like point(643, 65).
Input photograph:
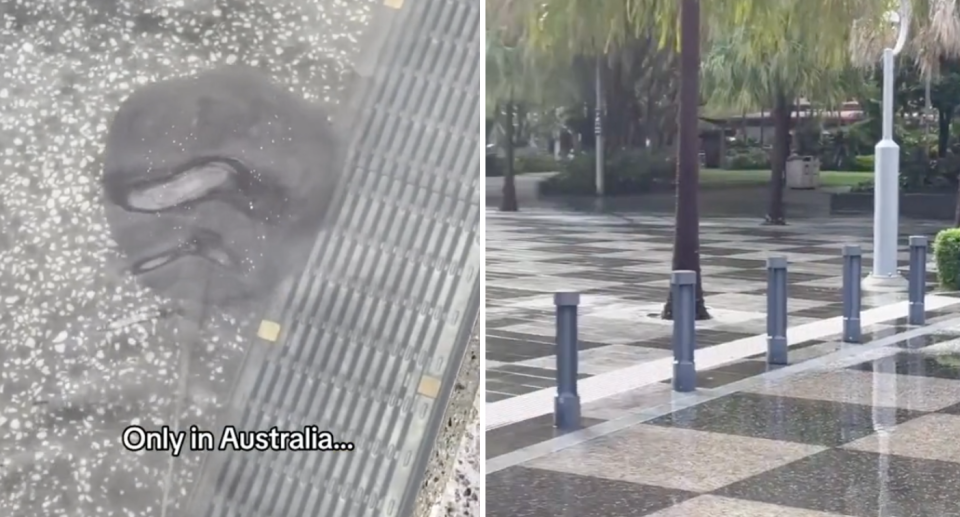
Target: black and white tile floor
point(621, 266)
point(860, 432)
point(865, 431)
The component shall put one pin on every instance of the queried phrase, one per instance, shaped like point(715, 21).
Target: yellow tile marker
point(429, 386)
point(269, 331)
point(393, 4)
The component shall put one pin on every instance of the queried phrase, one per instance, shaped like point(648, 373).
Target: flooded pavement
point(854, 430)
point(621, 267)
point(87, 350)
point(867, 430)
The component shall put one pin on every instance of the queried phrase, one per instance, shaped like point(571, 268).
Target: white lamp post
point(598, 129)
point(886, 209)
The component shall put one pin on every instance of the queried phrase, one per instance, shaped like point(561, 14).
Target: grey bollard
point(852, 265)
point(683, 285)
point(918, 280)
point(566, 405)
point(777, 310)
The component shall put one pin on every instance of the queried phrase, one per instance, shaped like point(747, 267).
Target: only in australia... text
point(309, 438)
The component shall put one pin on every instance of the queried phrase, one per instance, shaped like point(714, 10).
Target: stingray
point(216, 185)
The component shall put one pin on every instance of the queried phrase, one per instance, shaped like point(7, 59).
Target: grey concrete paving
point(621, 265)
point(857, 438)
point(865, 431)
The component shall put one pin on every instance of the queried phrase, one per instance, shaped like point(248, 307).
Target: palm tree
point(504, 85)
point(598, 27)
point(934, 33)
point(568, 29)
point(519, 80)
point(744, 69)
point(686, 237)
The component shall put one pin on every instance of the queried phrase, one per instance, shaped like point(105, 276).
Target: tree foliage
point(933, 32)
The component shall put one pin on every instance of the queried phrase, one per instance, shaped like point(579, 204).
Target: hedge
point(946, 253)
point(627, 172)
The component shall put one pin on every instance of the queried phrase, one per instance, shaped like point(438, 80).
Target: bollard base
point(566, 412)
point(777, 350)
point(684, 376)
point(917, 314)
point(884, 283)
point(851, 330)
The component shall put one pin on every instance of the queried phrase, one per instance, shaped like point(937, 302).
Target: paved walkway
point(858, 430)
point(866, 430)
point(621, 265)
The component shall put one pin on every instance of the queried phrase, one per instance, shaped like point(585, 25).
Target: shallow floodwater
point(86, 349)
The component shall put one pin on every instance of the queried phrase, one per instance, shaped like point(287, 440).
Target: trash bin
point(803, 172)
point(794, 171)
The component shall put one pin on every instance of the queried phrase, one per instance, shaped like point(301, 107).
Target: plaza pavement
point(805, 428)
point(867, 430)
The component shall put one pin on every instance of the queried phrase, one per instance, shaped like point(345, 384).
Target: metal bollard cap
point(776, 262)
point(851, 250)
point(683, 277)
point(566, 299)
point(918, 241)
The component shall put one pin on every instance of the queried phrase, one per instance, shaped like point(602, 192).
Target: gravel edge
point(455, 445)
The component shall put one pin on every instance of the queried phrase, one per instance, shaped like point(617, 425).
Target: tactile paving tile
point(368, 342)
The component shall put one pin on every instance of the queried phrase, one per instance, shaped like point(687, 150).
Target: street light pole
point(886, 210)
point(598, 129)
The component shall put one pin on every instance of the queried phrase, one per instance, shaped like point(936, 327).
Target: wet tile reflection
point(531, 492)
point(860, 484)
point(527, 432)
point(945, 366)
point(814, 422)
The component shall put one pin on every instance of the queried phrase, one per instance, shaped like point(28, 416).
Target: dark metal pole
point(684, 286)
point(851, 293)
point(918, 279)
point(777, 310)
point(566, 405)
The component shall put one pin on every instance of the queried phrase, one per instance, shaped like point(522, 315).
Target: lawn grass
point(740, 178)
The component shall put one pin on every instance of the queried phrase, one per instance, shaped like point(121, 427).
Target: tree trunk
point(956, 214)
point(509, 201)
point(763, 126)
point(944, 118)
point(686, 237)
point(778, 162)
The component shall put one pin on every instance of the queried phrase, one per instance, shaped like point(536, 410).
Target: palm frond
point(778, 49)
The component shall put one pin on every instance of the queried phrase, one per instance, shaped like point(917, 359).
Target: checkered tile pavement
point(875, 435)
point(621, 266)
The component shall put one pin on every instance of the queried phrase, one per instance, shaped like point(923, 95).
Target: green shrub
point(863, 163)
point(748, 159)
point(948, 167)
point(946, 253)
point(627, 172)
point(538, 163)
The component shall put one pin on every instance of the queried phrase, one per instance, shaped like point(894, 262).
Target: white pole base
point(884, 283)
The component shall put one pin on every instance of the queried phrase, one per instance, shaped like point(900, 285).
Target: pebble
point(461, 496)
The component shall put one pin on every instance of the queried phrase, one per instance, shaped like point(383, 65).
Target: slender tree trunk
point(778, 162)
point(956, 214)
point(686, 237)
point(509, 201)
point(944, 119)
point(763, 125)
